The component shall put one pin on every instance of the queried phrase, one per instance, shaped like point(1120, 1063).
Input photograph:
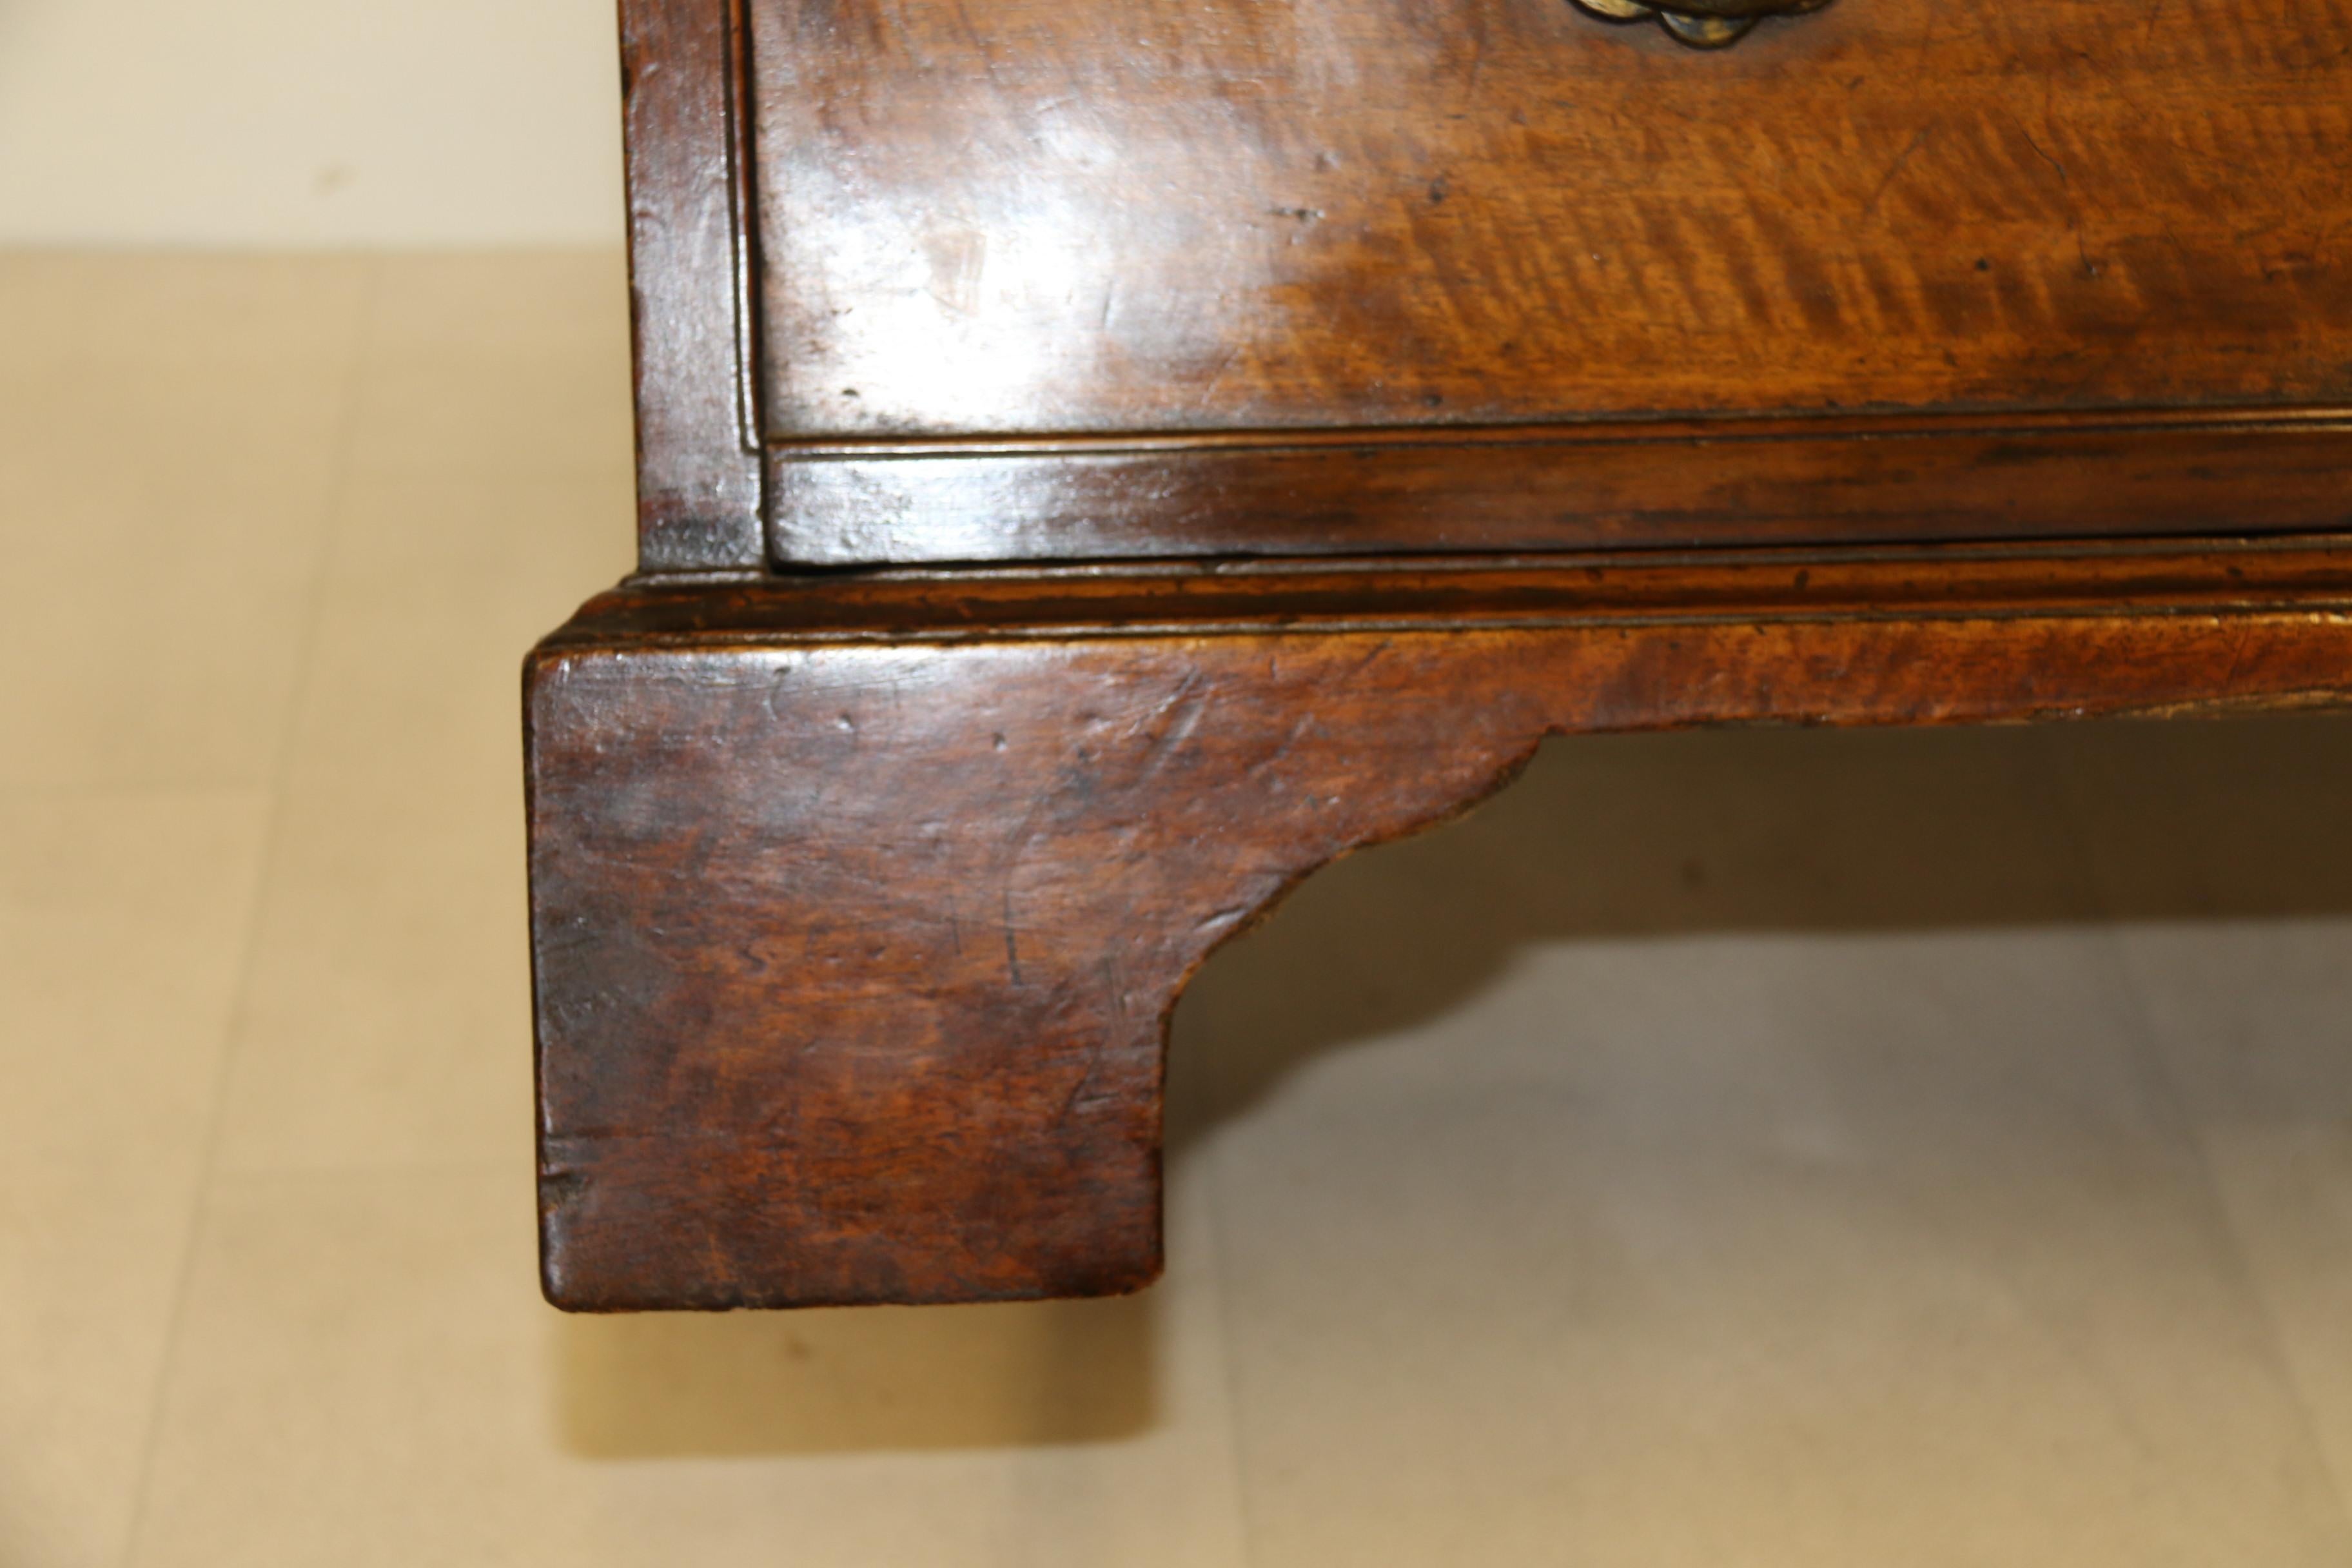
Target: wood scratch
point(1870, 207)
point(1012, 944)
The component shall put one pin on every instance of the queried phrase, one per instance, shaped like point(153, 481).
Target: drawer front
point(1122, 277)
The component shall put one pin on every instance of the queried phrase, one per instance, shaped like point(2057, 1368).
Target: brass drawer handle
point(1702, 24)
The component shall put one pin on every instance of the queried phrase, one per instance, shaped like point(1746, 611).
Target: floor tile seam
point(1221, 1256)
point(509, 473)
point(295, 699)
point(2157, 1078)
point(225, 1178)
point(93, 1160)
point(257, 789)
point(2148, 1052)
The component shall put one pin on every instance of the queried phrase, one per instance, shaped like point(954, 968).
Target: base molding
point(860, 904)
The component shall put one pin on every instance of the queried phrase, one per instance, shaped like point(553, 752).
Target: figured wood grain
point(860, 900)
point(859, 906)
point(1072, 215)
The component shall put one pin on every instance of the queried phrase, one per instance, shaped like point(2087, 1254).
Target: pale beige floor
point(1760, 1149)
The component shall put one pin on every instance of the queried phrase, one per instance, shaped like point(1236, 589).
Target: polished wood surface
point(690, 285)
point(1076, 216)
point(1628, 485)
point(860, 907)
point(1901, 363)
point(985, 229)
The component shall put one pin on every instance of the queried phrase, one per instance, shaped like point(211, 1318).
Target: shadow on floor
point(903, 1378)
point(1602, 838)
point(1826, 833)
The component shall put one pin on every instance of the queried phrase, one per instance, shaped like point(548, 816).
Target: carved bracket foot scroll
point(860, 905)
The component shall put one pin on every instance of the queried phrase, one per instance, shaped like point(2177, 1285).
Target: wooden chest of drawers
point(1100, 459)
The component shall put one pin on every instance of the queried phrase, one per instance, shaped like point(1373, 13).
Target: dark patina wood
point(1073, 215)
point(860, 909)
point(1634, 486)
point(860, 898)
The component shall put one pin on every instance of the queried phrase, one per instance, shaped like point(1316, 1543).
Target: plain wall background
point(309, 123)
